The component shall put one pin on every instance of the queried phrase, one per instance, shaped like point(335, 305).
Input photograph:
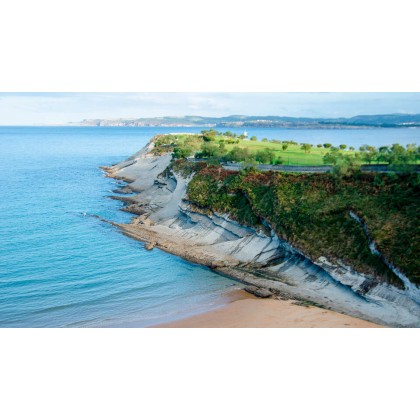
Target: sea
point(63, 265)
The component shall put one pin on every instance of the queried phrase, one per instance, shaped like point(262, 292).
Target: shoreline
point(162, 218)
point(233, 314)
point(247, 311)
point(159, 236)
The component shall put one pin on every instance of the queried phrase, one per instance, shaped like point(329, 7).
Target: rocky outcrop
point(260, 259)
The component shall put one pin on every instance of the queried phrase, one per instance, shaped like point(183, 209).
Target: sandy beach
point(246, 311)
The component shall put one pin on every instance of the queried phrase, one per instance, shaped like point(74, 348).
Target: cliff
point(232, 242)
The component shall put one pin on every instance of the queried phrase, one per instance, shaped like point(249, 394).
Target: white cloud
point(44, 108)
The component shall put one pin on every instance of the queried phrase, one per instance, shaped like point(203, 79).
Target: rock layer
point(257, 258)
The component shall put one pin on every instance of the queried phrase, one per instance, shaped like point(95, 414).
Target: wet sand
point(250, 312)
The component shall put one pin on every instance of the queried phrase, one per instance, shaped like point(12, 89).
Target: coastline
point(275, 290)
point(251, 312)
point(162, 218)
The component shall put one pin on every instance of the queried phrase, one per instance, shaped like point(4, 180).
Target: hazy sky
point(53, 108)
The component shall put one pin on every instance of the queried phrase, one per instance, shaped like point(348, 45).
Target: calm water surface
point(61, 266)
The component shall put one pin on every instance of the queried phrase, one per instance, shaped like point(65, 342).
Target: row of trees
point(211, 135)
point(218, 153)
point(397, 157)
point(392, 155)
point(213, 147)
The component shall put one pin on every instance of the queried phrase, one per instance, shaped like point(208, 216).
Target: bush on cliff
point(312, 212)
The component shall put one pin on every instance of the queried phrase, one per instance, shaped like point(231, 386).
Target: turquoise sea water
point(62, 266)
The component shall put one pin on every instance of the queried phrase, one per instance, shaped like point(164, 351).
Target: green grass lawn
point(193, 143)
point(293, 155)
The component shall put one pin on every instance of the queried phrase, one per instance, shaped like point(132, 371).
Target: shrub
point(306, 147)
point(182, 152)
point(266, 156)
point(209, 135)
point(208, 150)
point(239, 154)
point(343, 164)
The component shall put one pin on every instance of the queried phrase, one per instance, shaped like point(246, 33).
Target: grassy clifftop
point(312, 212)
point(219, 147)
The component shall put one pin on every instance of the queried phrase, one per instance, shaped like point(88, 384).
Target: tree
point(343, 146)
point(209, 135)
point(284, 146)
point(351, 148)
point(343, 164)
point(327, 145)
point(264, 140)
point(383, 154)
point(182, 152)
point(370, 154)
point(319, 145)
point(253, 138)
point(239, 154)
point(208, 150)
point(399, 158)
point(330, 158)
point(266, 156)
point(306, 147)
point(413, 152)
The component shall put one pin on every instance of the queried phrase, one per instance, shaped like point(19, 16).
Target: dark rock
point(134, 209)
point(258, 291)
point(124, 190)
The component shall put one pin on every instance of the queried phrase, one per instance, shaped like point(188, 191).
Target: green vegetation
point(397, 158)
point(224, 147)
point(180, 145)
point(311, 211)
point(306, 147)
point(343, 164)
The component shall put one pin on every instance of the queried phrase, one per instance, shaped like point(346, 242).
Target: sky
point(61, 108)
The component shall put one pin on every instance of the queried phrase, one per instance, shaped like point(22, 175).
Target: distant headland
point(359, 121)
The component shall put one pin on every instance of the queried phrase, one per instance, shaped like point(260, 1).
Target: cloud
point(44, 108)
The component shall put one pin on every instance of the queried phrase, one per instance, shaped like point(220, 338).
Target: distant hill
point(359, 121)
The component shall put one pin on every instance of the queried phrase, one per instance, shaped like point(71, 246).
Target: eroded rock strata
point(259, 258)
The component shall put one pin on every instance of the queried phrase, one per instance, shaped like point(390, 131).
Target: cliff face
point(254, 256)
